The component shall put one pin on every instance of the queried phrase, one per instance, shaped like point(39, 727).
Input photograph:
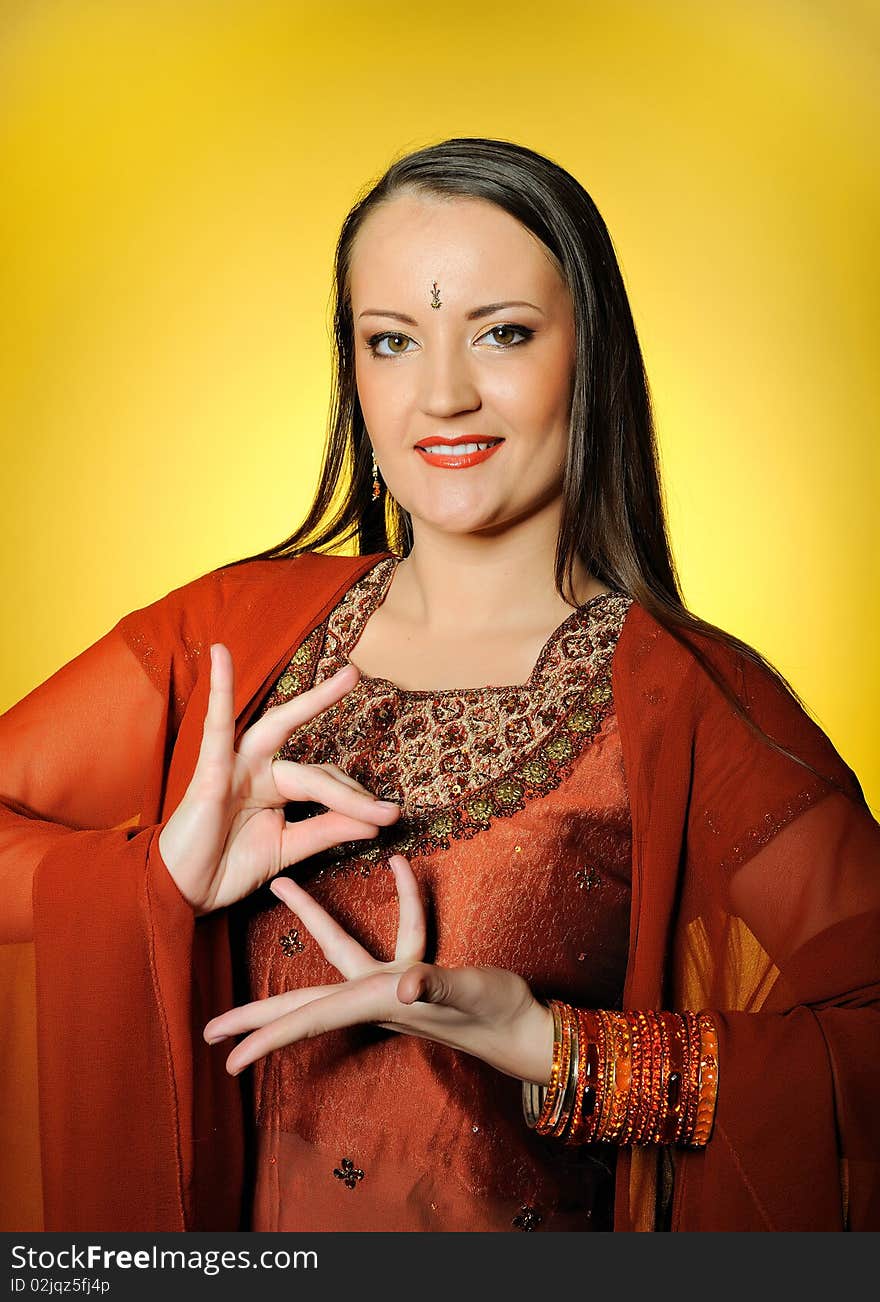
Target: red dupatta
point(755, 894)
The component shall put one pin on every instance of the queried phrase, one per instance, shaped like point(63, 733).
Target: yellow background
point(173, 178)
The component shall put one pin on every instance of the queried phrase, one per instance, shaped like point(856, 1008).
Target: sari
point(754, 893)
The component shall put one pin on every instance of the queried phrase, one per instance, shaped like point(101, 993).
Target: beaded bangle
point(584, 1079)
point(567, 1096)
point(657, 1081)
point(708, 1088)
point(674, 1095)
point(537, 1100)
point(692, 1073)
point(550, 1094)
point(590, 1087)
point(601, 1082)
point(618, 1038)
point(636, 1067)
point(643, 1099)
point(627, 1078)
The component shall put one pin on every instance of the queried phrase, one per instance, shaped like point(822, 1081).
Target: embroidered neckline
point(456, 759)
point(386, 569)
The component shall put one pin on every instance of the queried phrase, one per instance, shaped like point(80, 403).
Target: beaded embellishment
point(527, 1220)
point(454, 759)
point(349, 1174)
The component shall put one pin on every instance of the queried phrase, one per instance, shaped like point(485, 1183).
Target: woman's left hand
point(487, 1011)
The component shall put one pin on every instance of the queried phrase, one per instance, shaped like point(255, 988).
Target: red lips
point(455, 461)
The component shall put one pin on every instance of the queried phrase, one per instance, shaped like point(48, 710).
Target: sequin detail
point(773, 822)
point(527, 1220)
point(291, 943)
point(349, 1174)
point(158, 669)
point(454, 759)
point(586, 878)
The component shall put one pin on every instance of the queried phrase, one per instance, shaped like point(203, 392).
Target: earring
point(376, 489)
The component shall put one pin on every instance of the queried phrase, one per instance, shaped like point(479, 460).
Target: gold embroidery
point(456, 758)
point(774, 821)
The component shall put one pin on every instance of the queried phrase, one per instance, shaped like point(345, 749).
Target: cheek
point(383, 401)
point(554, 385)
point(540, 390)
point(539, 406)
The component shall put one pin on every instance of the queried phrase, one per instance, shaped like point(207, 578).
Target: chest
point(416, 661)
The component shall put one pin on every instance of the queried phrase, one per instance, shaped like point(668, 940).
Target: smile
point(458, 456)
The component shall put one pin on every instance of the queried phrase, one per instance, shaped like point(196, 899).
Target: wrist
point(537, 1044)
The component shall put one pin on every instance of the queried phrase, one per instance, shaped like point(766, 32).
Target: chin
point(457, 520)
point(458, 507)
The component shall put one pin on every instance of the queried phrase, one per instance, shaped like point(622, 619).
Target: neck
point(480, 581)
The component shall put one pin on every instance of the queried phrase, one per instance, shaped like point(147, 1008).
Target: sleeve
point(83, 752)
point(779, 937)
point(73, 755)
point(84, 760)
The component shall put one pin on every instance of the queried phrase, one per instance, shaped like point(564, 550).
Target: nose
point(447, 382)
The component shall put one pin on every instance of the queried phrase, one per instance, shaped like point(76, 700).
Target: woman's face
point(495, 361)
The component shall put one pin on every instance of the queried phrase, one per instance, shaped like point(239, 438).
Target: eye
point(510, 329)
point(397, 342)
point(374, 341)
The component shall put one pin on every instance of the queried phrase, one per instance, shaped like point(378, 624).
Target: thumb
point(424, 981)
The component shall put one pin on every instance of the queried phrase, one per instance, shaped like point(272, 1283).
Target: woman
point(562, 815)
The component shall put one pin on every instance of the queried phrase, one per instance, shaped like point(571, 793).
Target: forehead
point(469, 246)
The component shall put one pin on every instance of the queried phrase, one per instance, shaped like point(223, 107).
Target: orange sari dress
point(754, 893)
point(524, 863)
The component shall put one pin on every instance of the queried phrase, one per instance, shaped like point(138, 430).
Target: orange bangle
point(552, 1089)
point(630, 1078)
point(570, 1078)
point(708, 1081)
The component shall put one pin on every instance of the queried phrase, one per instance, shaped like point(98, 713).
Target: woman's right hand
point(229, 835)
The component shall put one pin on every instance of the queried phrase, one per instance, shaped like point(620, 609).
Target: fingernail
point(387, 804)
point(215, 1039)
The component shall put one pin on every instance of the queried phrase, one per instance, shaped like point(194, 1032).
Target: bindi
point(435, 295)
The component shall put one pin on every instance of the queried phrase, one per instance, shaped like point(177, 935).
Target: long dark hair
point(613, 516)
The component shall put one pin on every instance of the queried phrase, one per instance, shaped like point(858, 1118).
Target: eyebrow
point(474, 315)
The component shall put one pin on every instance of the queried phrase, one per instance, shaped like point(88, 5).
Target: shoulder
point(281, 572)
point(242, 593)
point(654, 662)
point(726, 707)
point(691, 662)
point(311, 578)
point(229, 583)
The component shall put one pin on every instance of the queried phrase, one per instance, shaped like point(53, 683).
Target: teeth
point(459, 450)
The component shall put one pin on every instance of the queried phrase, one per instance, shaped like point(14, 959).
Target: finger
point(462, 988)
point(312, 782)
point(337, 946)
point(312, 835)
point(351, 1004)
point(346, 777)
point(248, 1017)
point(276, 726)
point(411, 927)
point(218, 731)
